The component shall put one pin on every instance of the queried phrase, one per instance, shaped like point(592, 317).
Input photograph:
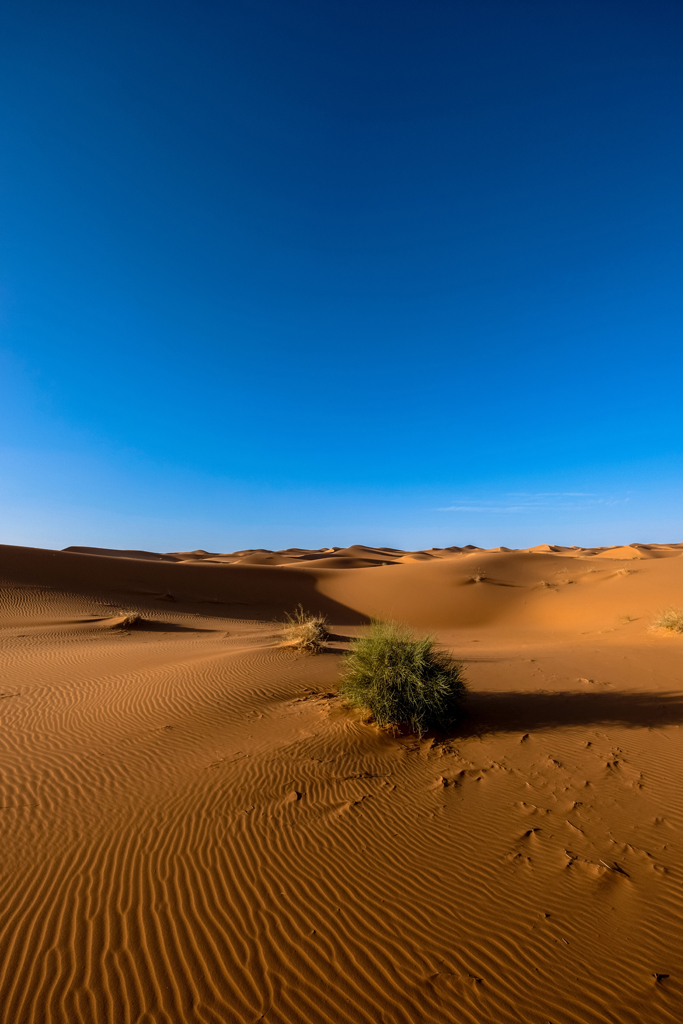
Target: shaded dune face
point(197, 831)
point(442, 588)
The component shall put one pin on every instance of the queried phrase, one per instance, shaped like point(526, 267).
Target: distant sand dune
point(196, 831)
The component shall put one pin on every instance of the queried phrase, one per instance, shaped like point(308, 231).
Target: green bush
point(401, 678)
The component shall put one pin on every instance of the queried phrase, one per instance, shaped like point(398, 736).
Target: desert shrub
point(304, 632)
point(402, 678)
point(671, 619)
point(128, 620)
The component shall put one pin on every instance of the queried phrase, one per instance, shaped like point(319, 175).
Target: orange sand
point(196, 831)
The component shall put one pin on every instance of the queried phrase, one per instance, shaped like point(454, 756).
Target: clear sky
point(315, 272)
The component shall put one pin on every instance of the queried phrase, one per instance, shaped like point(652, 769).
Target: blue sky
point(303, 273)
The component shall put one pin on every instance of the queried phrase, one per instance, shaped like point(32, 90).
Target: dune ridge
point(197, 830)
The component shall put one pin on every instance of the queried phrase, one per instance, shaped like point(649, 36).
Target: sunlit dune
point(196, 830)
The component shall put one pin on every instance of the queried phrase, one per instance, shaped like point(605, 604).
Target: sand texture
point(195, 830)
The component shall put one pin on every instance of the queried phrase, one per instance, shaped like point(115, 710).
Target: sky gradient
point(302, 273)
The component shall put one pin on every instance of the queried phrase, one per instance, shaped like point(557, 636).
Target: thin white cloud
point(551, 494)
point(484, 508)
point(533, 502)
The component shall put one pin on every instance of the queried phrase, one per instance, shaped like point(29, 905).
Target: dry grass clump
point(127, 620)
point(305, 632)
point(671, 619)
point(401, 678)
point(478, 576)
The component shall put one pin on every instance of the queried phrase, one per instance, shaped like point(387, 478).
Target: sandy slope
point(196, 830)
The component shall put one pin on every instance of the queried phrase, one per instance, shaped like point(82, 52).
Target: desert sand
point(195, 828)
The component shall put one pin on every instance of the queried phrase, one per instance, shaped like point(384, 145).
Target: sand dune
point(196, 831)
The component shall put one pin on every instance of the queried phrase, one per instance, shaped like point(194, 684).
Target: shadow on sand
point(143, 625)
point(528, 712)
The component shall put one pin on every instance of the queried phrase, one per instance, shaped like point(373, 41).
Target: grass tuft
point(128, 620)
point(401, 679)
point(305, 632)
point(671, 619)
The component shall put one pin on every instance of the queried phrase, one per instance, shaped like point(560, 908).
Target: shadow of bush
point(520, 711)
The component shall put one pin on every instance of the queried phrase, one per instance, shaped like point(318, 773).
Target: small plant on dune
point(401, 678)
point(127, 620)
point(671, 619)
point(305, 632)
point(478, 576)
